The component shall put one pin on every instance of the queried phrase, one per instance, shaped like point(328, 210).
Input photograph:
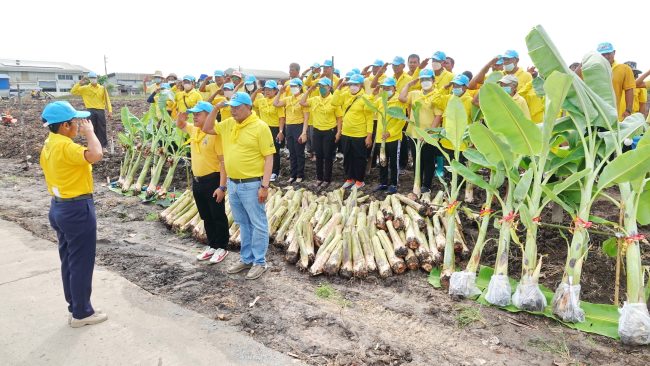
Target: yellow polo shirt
point(268, 112)
point(293, 111)
point(94, 96)
point(523, 77)
point(368, 81)
point(67, 172)
point(186, 100)
point(440, 105)
point(394, 126)
point(205, 151)
point(245, 145)
point(323, 113)
point(358, 120)
point(403, 80)
point(622, 80)
point(426, 108)
point(534, 102)
point(440, 81)
point(521, 103)
point(640, 97)
point(225, 111)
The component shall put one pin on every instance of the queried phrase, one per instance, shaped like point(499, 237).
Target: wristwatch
point(223, 188)
point(263, 186)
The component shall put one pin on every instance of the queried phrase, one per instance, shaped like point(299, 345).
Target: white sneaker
point(206, 254)
point(218, 256)
point(298, 180)
point(97, 311)
point(348, 183)
point(96, 318)
point(273, 177)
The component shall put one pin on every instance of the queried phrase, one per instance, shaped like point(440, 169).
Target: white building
point(57, 78)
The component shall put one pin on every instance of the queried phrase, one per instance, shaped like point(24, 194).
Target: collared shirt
point(323, 113)
point(205, 149)
point(94, 96)
point(245, 145)
point(268, 112)
point(426, 111)
point(67, 172)
point(442, 80)
point(357, 117)
point(622, 80)
point(294, 112)
point(403, 80)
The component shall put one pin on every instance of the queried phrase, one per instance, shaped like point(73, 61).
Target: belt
point(247, 180)
point(205, 177)
point(78, 198)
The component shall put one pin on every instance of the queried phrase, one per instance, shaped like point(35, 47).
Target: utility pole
point(105, 69)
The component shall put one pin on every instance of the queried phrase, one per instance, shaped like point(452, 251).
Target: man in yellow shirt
point(210, 88)
point(219, 100)
point(248, 155)
point(391, 136)
point(67, 168)
point(442, 76)
point(511, 67)
point(208, 182)
point(187, 98)
point(275, 117)
point(297, 122)
point(622, 80)
point(97, 102)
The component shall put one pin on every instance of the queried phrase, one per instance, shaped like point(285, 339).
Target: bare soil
point(398, 321)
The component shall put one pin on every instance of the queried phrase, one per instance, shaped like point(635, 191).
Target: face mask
point(157, 80)
point(295, 90)
point(227, 93)
point(187, 87)
point(457, 91)
point(250, 87)
point(509, 67)
point(354, 89)
point(323, 91)
point(93, 80)
point(426, 85)
point(389, 93)
point(508, 89)
point(436, 66)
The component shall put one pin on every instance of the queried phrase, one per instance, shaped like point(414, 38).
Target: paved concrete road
point(141, 329)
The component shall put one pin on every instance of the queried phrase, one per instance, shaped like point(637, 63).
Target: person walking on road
point(97, 102)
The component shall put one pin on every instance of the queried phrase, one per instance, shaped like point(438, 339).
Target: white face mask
point(436, 66)
point(509, 67)
point(93, 80)
point(187, 87)
point(227, 93)
point(295, 90)
point(354, 89)
point(426, 85)
point(389, 93)
point(250, 87)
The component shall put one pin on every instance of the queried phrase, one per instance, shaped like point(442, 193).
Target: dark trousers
point(75, 224)
point(407, 147)
point(296, 150)
point(428, 160)
point(98, 119)
point(278, 146)
point(325, 148)
point(355, 157)
point(391, 170)
point(212, 212)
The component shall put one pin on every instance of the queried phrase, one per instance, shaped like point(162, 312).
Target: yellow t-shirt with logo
point(245, 145)
point(323, 113)
point(357, 117)
point(186, 100)
point(67, 172)
point(293, 111)
point(205, 151)
point(268, 112)
point(426, 112)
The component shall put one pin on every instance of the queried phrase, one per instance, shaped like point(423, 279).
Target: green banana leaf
point(472, 177)
point(474, 156)
point(455, 122)
point(626, 167)
point(490, 145)
point(597, 74)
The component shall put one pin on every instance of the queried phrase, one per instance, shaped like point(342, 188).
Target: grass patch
point(327, 292)
point(555, 346)
point(468, 315)
point(151, 216)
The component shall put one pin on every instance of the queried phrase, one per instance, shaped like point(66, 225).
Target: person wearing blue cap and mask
point(97, 102)
point(167, 96)
point(442, 76)
point(188, 97)
point(390, 136)
point(327, 124)
point(208, 181)
point(401, 78)
point(220, 102)
point(67, 167)
point(369, 72)
point(275, 117)
point(209, 87)
point(356, 130)
point(248, 155)
point(294, 72)
point(295, 127)
point(623, 81)
point(511, 67)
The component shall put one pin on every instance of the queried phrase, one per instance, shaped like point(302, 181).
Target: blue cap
point(164, 86)
point(250, 79)
point(201, 107)
point(605, 47)
point(230, 86)
point(439, 56)
point(189, 77)
point(348, 74)
point(356, 71)
point(61, 111)
point(356, 79)
point(327, 63)
point(92, 74)
point(426, 73)
point(389, 82)
point(500, 60)
point(315, 65)
point(337, 71)
point(511, 54)
point(271, 84)
point(460, 80)
point(295, 82)
point(325, 81)
point(219, 73)
point(398, 60)
point(240, 98)
point(203, 76)
point(378, 63)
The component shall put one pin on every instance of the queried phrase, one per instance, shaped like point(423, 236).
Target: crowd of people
point(240, 124)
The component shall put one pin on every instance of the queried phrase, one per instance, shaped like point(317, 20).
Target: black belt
point(247, 180)
point(78, 198)
point(206, 177)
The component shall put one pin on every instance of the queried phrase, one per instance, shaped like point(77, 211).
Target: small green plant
point(557, 347)
point(151, 216)
point(326, 291)
point(468, 315)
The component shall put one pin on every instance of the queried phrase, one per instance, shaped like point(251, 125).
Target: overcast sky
point(200, 36)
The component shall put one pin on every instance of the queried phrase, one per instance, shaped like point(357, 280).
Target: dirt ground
point(323, 320)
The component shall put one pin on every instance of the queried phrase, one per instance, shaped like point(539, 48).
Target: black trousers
point(391, 170)
point(355, 157)
point(407, 147)
point(296, 150)
point(278, 146)
point(324, 146)
point(98, 119)
point(212, 212)
point(428, 157)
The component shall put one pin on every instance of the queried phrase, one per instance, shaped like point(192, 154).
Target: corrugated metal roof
point(262, 74)
point(42, 66)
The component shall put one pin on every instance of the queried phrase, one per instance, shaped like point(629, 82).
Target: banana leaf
point(455, 121)
point(490, 145)
point(626, 167)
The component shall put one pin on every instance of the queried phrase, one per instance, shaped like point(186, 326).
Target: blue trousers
point(75, 224)
point(250, 215)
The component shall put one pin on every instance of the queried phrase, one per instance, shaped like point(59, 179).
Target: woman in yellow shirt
point(327, 120)
point(296, 128)
point(274, 117)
